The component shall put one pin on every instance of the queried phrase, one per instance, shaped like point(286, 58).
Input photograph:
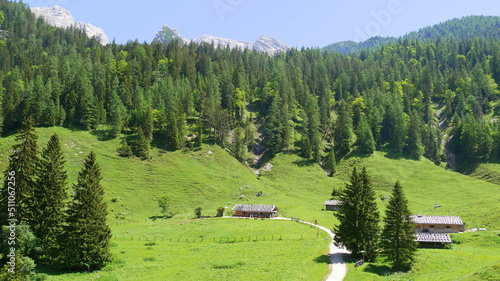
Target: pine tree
point(365, 140)
point(50, 199)
point(22, 167)
point(199, 131)
point(398, 240)
point(414, 147)
point(87, 234)
point(117, 114)
point(125, 150)
point(343, 130)
point(331, 162)
point(358, 228)
point(141, 145)
point(148, 124)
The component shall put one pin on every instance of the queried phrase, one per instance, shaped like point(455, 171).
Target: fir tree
point(358, 228)
point(343, 130)
point(117, 114)
point(125, 150)
point(414, 147)
point(331, 162)
point(22, 169)
point(141, 145)
point(148, 124)
point(199, 130)
point(398, 240)
point(87, 234)
point(50, 199)
point(366, 142)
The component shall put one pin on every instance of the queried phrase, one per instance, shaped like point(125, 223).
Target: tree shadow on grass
point(52, 271)
point(304, 163)
point(379, 269)
point(322, 259)
point(154, 218)
point(102, 135)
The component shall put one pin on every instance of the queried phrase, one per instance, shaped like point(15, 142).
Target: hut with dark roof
point(255, 211)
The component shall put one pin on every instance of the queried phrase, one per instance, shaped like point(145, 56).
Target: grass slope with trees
point(194, 122)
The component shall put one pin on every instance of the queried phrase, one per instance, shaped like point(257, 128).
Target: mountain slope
point(487, 27)
point(60, 17)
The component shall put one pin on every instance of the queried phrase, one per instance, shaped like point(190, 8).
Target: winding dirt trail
point(338, 268)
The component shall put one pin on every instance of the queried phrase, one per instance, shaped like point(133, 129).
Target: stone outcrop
point(60, 17)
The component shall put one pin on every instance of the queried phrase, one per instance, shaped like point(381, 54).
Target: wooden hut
point(255, 211)
point(438, 224)
point(332, 205)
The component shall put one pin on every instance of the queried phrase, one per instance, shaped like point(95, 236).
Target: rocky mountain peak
point(264, 44)
point(60, 17)
point(167, 34)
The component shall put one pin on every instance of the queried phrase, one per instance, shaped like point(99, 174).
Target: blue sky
point(315, 23)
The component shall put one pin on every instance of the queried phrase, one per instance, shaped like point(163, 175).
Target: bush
point(220, 211)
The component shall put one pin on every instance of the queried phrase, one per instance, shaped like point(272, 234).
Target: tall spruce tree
point(87, 234)
point(366, 142)
point(50, 196)
point(331, 162)
point(398, 240)
point(141, 145)
point(22, 167)
point(358, 228)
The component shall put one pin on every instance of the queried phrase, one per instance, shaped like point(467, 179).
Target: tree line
point(413, 96)
point(54, 225)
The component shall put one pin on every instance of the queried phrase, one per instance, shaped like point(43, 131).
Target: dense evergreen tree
point(398, 238)
point(22, 167)
point(358, 228)
point(141, 146)
point(331, 163)
point(86, 236)
point(125, 150)
point(365, 140)
point(413, 146)
point(343, 130)
point(50, 199)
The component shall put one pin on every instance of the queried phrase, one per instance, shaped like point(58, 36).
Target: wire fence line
point(221, 239)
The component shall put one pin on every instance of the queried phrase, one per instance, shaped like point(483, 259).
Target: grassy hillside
point(432, 190)
point(146, 247)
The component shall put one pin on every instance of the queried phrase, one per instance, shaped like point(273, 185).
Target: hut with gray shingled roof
point(332, 205)
point(255, 211)
point(438, 224)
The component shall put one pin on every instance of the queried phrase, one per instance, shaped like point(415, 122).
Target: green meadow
point(148, 247)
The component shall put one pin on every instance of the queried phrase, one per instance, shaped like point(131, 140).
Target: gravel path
point(338, 268)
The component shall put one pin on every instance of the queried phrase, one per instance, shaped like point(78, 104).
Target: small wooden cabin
point(333, 205)
point(432, 240)
point(438, 224)
point(255, 211)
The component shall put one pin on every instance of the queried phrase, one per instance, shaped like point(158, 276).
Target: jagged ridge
point(60, 17)
point(263, 44)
